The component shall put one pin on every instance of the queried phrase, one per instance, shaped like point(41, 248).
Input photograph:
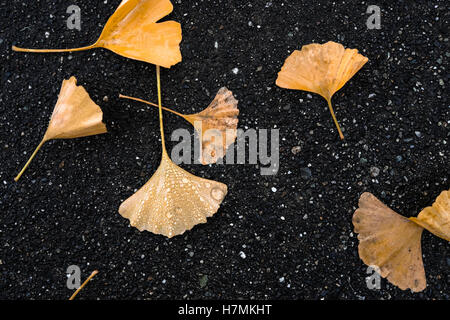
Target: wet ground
point(287, 236)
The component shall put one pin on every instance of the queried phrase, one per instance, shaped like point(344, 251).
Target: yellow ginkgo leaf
point(173, 200)
point(133, 32)
point(389, 242)
point(436, 218)
point(322, 69)
point(216, 125)
point(75, 115)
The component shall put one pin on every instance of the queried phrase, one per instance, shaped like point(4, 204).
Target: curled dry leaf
point(75, 115)
point(436, 218)
point(173, 201)
point(390, 242)
point(216, 125)
point(133, 32)
point(322, 69)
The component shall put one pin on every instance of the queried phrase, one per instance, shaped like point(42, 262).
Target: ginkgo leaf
point(75, 115)
point(173, 200)
point(390, 242)
point(322, 69)
point(133, 32)
point(436, 218)
point(216, 125)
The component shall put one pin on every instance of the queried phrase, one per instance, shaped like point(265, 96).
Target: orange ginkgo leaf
point(173, 200)
point(216, 125)
point(75, 115)
point(390, 243)
point(436, 218)
point(133, 32)
point(322, 69)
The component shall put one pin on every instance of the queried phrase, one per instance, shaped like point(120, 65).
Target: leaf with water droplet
point(390, 242)
point(166, 206)
point(436, 218)
point(322, 69)
point(133, 31)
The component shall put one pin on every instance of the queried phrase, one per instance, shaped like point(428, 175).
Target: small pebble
point(374, 171)
point(296, 149)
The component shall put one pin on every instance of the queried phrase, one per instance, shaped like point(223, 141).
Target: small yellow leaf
point(173, 201)
point(322, 69)
point(391, 242)
point(218, 126)
point(75, 115)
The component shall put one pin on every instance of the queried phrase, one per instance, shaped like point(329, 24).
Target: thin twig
point(84, 283)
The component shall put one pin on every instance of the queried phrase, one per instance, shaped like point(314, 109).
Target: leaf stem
point(152, 104)
point(84, 283)
point(53, 50)
point(334, 119)
point(29, 160)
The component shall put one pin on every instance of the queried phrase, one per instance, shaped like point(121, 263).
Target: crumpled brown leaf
point(173, 200)
point(436, 218)
point(322, 69)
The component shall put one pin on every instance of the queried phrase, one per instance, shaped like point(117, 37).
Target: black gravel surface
point(287, 236)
